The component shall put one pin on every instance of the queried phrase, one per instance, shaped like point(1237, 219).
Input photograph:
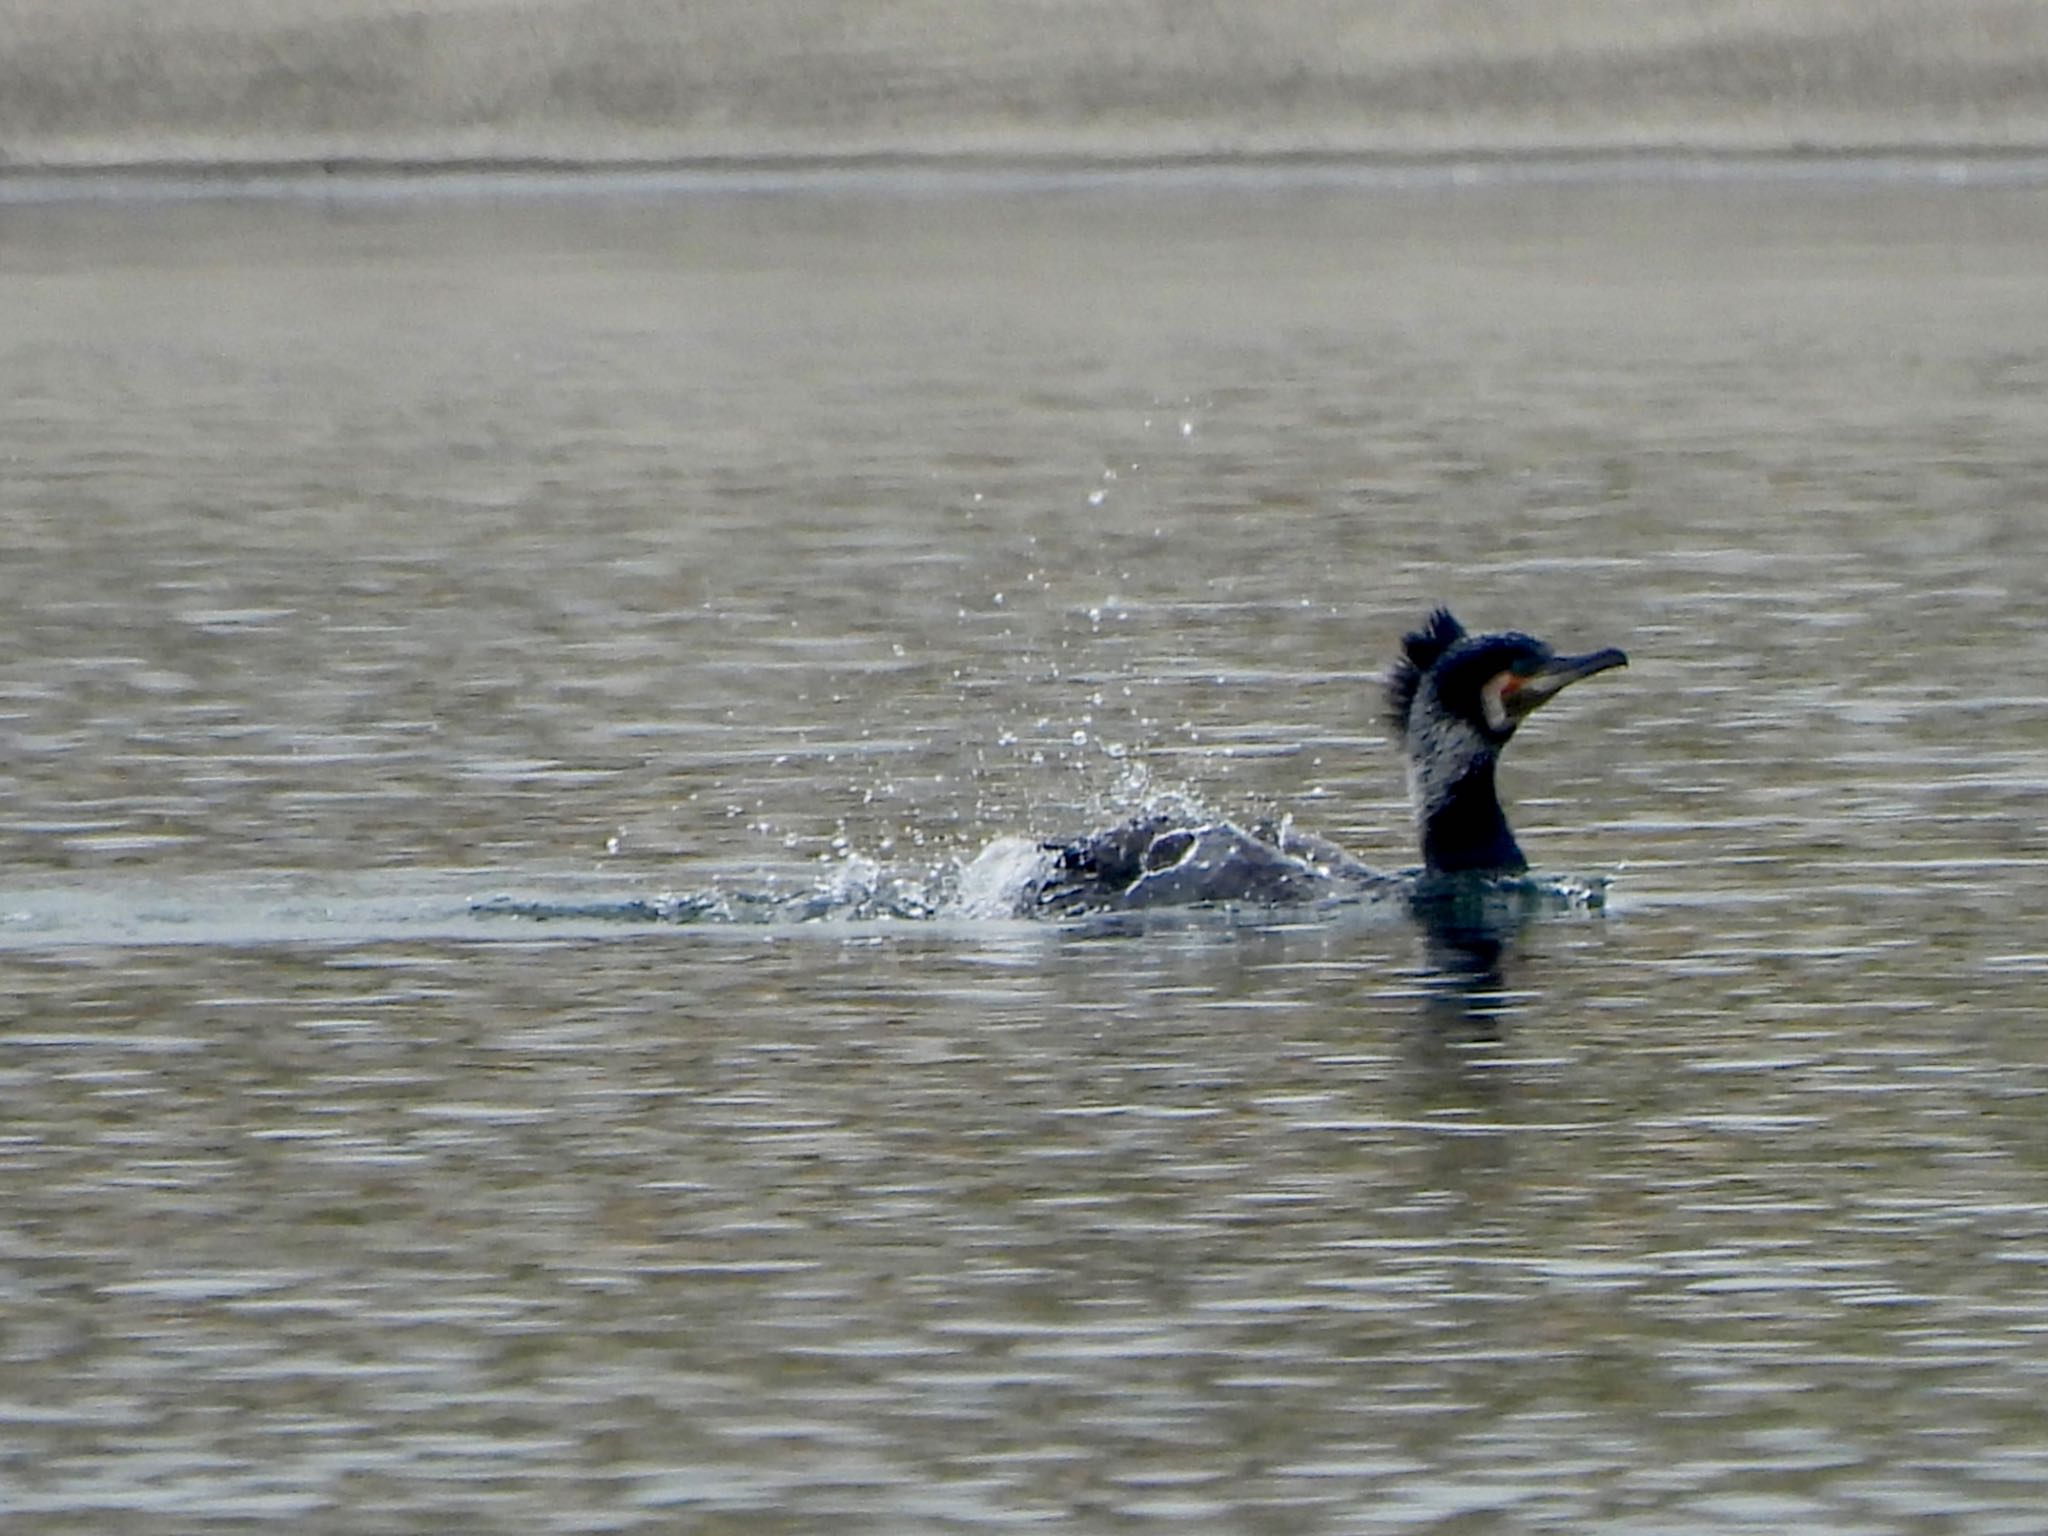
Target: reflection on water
point(375, 571)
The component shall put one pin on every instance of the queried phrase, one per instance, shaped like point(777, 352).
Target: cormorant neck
point(1466, 830)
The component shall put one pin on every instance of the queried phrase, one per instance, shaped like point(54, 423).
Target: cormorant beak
point(1511, 698)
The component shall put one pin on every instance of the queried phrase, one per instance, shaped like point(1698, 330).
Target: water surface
point(367, 563)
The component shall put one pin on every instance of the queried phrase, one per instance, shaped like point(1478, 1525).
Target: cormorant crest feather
point(1421, 649)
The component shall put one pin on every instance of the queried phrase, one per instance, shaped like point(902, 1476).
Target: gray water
point(373, 569)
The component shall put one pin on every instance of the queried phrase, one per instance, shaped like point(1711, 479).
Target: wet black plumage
point(1454, 701)
point(1420, 650)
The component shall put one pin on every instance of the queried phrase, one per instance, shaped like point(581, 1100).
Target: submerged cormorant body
point(1454, 701)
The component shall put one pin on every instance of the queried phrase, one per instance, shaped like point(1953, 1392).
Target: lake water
point(379, 568)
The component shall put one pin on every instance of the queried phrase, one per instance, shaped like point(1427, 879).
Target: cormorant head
point(1491, 682)
point(1454, 700)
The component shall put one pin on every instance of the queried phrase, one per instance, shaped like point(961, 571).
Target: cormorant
point(1454, 701)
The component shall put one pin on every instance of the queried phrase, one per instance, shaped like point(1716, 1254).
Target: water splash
point(1150, 847)
point(854, 889)
point(993, 883)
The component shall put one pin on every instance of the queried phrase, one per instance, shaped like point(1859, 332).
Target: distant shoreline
point(378, 177)
point(178, 94)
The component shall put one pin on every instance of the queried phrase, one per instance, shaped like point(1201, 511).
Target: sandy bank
point(191, 83)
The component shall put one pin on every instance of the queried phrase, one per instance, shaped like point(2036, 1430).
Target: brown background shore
point(193, 83)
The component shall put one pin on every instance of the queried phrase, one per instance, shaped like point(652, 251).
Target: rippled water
point(375, 571)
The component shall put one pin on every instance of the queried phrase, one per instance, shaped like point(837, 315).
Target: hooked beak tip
point(1566, 670)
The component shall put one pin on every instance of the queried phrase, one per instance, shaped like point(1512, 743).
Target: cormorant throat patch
point(1497, 698)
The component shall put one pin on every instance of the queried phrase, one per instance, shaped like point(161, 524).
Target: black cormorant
point(1453, 701)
